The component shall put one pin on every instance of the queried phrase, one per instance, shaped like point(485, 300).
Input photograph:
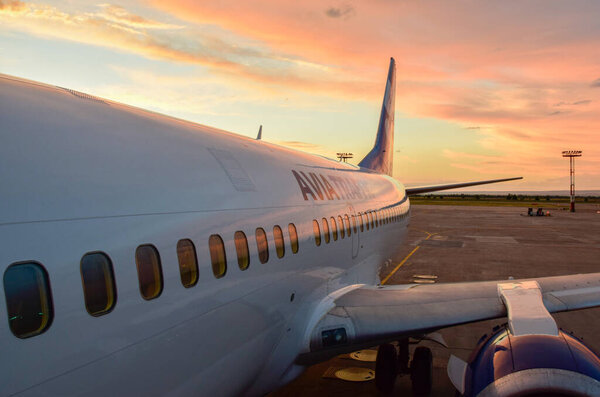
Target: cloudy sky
point(485, 89)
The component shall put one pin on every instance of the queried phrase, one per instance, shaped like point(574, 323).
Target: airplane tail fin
point(381, 157)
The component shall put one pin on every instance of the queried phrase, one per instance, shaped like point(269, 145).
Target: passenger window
point(149, 270)
point(333, 229)
point(348, 228)
point(98, 281)
point(279, 243)
point(293, 237)
point(341, 227)
point(188, 262)
point(241, 248)
point(218, 258)
point(354, 224)
point(317, 232)
point(262, 245)
point(372, 219)
point(325, 230)
point(375, 213)
point(28, 299)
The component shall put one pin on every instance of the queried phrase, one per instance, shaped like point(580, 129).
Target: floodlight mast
point(344, 156)
point(571, 154)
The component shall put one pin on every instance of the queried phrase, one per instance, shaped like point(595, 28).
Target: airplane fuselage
point(82, 175)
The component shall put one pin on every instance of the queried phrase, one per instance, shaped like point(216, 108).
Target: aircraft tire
point(421, 371)
point(386, 368)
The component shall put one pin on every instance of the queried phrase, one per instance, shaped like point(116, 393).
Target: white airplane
point(147, 255)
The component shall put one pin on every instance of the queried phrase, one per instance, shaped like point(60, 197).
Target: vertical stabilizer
point(381, 157)
point(259, 136)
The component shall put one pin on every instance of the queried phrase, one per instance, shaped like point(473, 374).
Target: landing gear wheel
point(385, 368)
point(421, 371)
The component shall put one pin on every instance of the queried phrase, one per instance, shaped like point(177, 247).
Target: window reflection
point(149, 270)
point(218, 257)
point(188, 262)
point(317, 232)
point(28, 299)
point(279, 243)
point(98, 281)
point(293, 237)
point(262, 245)
point(241, 248)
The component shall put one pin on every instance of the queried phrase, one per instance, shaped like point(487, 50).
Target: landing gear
point(393, 360)
point(386, 368)
point(421, 371)
point(403, 356)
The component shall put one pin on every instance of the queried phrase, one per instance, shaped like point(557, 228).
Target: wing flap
point(371, 315)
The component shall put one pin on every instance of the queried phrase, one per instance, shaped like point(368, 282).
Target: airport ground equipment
point(571, 154)
point(529, 356)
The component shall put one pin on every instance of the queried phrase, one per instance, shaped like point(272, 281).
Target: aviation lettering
point(330, 187)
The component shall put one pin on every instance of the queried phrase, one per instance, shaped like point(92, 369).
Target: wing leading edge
point(370, 315)
point(434, 188)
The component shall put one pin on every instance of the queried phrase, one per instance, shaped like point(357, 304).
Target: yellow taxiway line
point(406, 258)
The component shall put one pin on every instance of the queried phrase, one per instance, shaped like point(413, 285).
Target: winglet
point(380, 158)
point(259, 136)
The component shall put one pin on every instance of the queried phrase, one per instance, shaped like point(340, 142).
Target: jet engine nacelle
point(527, 365)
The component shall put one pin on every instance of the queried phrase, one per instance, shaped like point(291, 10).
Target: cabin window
point(362, 223)
point(188, 262)
point(149, 270)
point(325, 230)
point(376, 215)
point(334, 232)
point(28, 299)
point(341, 227)
point(317, 232)
point(241, 248)
point(293, 237)
point(218, 258)
point(98, 280)
point(372, 219)
point(348, 228)
point(279, 242)
point(262, 245)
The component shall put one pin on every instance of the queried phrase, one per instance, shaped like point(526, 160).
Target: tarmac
point(460, 243)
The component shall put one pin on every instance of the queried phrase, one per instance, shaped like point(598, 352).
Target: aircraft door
point(355, 231)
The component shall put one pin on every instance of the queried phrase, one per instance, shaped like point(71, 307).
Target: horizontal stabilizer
point(434, 188)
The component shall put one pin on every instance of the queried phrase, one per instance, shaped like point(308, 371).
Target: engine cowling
point(529, 365)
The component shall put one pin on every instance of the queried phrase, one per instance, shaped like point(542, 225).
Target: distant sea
point(523, 192)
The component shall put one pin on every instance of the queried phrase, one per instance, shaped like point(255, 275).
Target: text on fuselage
point(329, 187)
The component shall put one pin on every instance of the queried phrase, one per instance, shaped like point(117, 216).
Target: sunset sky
point(485, 89)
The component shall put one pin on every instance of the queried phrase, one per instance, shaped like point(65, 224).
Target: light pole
point(344, 156)
point(571, 154)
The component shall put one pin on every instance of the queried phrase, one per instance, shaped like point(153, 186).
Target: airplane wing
point(362, 316)
point(434, 188)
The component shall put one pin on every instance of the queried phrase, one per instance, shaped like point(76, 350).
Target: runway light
point(571, 154)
